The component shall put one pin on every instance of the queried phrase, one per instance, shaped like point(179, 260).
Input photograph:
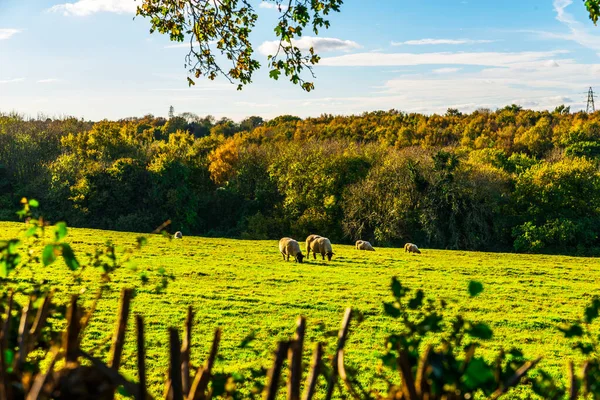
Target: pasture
point(244, 286)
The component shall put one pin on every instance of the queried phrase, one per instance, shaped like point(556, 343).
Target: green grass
point(244, 286)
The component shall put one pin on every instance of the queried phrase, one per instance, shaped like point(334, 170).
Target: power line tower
point(591, 107)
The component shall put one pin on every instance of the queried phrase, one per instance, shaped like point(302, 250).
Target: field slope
point(244, 286)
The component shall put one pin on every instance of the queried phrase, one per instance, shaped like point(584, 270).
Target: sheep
point(289, 247)
point(178, 235)
point(309, 240)
point(411, 248)
point(364, 245)
point(322, 246)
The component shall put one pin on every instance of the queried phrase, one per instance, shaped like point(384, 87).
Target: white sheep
point(411, 248)
point(364, 245)
point(309, 240)
point(289, 247)
point(178, 235)
point(322, 246)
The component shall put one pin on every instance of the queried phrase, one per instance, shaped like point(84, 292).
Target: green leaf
point(591, 312)
point(247, 340)
point(34, 203)
point(477, 374)
point(585, 349)
point(123, 392)
point(49, 254)
point(9, 356)
point(397, 288)
point(480, 331)
point(31, 231)
point(417, 302)
point(3, 269)
point(274, 73)
point(475, 288)
point(573, 331)
point(69, 257)
point(391, 310)
point(61, 231)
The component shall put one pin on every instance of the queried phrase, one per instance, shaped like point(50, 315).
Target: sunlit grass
point(244, 286)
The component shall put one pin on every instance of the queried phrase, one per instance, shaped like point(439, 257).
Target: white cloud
point(83, 8)
point(446, 70)
point(15, 80)
point(424, 42)
point(577, 32)
point(457, 58)
point(271, 6)
point(6, 33)
point(320, 44)
point(49, 80)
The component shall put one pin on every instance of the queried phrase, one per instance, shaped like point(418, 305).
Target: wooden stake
point(275, 372)
point(295, 357)
point(185, 352)
point(71, 335)
point(313, 376)
point(175, 365)
point(141, 357)
point(198, 389)
point(119, 336)
point(342, 336)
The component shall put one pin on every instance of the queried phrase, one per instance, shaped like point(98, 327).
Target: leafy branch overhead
point(593, 7)
point(219, 35)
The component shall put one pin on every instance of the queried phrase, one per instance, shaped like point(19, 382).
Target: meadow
point(244, 286)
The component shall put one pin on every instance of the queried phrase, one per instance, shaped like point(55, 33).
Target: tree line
point(510, 179)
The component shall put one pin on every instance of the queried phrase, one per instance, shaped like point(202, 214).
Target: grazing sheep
point(289, 247)
point(309, 240)
point(322, 246)
point(364, 245)
point(178, 235)
point(411, 248)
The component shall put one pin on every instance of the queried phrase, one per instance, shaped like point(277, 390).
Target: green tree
point(224, 27)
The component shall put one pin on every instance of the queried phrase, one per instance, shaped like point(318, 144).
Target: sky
point(93, 60)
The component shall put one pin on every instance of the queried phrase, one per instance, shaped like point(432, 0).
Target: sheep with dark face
point(411, 248)
point(322, 246)
point(364, 245)
point(178, 235)
point(289, 247)
point(309, 240)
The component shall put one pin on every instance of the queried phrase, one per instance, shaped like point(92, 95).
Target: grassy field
point(244, 286)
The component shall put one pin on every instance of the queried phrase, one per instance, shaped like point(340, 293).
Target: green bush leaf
point(69, 257)
point(591, 312)
point(417, 302)
point(61, 231)
point(34, 203)
point(477, 374)
point(397, 288)
point(391, 310)
point(49, 254)
point(573, 331)
point(475, 288)
point(480, 331)
point(585, 349)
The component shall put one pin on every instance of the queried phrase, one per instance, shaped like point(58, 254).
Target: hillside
point(504, 180)
point(244, 286)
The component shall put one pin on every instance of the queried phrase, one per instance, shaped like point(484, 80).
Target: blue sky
point(93, 60)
